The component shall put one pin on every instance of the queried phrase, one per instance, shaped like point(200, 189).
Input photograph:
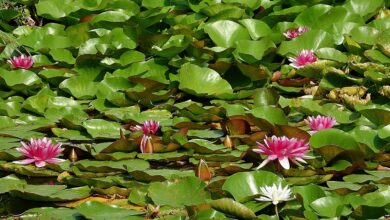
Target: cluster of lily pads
point(187, 109)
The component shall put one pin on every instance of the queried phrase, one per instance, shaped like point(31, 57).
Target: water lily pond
point(194, 109)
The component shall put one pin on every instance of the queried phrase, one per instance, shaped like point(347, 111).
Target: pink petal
point(54, 160)
point(40, 163)
point(259, 151)
point(23, 151)
point(272, 157)
point(24, 162)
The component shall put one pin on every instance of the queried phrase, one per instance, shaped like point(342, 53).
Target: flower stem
point(276, 211)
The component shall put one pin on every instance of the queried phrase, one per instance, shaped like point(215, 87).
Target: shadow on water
point(12, 206)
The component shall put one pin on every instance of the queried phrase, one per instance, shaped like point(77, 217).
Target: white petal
point(300, 160)
point(284, 162)
point(258, 150)
point(263, 199)
point(292, 60)
point(262, 164)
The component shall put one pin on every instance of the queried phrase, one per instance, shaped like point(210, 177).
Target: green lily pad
point(79, 87)
point(330, 206)
point(231, 207)
point(270, 114)
point(245, 185)
point(70, 134)
point(169, 156)
point(10, 182)
point(99, 128)
point(253, 51)
point(20, 79)
point(225, 33)
point(309, 193)
point(313, 40)
point(333, 137)
point(55, 193)
point(202, 81)
point(52, 213)
point(111, 166)
point(378, 198)
point(160, 174)
point(28, 170)
point(178, 192)
point(204, 146)
point(100, 211)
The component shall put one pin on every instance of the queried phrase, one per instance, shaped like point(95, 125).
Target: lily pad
point(178, 192)
point(98, 210)
point(99, 128)
point(245, 185)
point(10, 182)
point(54, 193)
point(225, 33)
point(202, 81)
point(232, 207)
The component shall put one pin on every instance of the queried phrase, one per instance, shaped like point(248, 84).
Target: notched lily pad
point(160, 174)
point(52, 193)
point(111, 166)
point(231, 207)
point(178, 192)
point(28, 170)
point(101, 211)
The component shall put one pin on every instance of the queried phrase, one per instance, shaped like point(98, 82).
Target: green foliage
point(216, 75)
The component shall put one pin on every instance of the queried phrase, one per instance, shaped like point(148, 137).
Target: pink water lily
point(295, 32)
point(320, 122)
point(303, 58)
point(148, 127)
point(283, 149)
point(21, 62)
point(40, 152)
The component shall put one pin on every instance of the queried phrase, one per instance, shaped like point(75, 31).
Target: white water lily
point(275, 194)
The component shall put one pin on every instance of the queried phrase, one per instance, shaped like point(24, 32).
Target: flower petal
point(54, 160)
point(24, 162)
point(284, 162)
point(262, 164)
point(40, 163)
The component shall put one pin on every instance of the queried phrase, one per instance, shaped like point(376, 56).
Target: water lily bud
point(202, 171)
point(149, 146)
point(228, 142)
point(73, 155)
point(275, 76)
